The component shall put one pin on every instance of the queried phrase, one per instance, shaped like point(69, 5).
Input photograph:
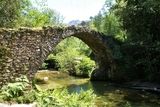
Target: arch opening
point(95, 40)
point(73, 56)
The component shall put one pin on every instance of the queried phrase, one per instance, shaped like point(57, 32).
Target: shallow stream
point(108, 94)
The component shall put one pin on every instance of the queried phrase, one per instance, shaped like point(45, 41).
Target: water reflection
point(109, 95)
point(112, 96)
point(77, 88)
point(98, 87)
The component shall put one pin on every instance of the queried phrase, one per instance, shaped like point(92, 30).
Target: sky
point(76, 9)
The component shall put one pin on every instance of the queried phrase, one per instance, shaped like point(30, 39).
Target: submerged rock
point(45, 78)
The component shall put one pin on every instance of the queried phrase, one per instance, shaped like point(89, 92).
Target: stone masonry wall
point(23, 51)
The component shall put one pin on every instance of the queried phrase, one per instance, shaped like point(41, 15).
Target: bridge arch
point(30, 47)
point(98, 42)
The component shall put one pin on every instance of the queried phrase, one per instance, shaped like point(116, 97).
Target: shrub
point(56, 98)
point(44, 66)
point(72, 56)
point(85, 66)
point(74, 63)
point(66, 59)
point(16, 89)
point(61, 98)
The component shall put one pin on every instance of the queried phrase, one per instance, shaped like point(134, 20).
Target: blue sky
point(76, 9)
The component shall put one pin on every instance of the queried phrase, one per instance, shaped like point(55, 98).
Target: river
point(108, 94)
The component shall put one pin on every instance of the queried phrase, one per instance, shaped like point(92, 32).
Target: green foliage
point(136, 24)
point(107, 22)
point(66, 59)
point(75, 43)
point(73, 58)
point(53, 98)
point(22, 13)
point(84, 66)
point(37, 18)
point(44, 66)
point(13, 90)
point(72, 55)
point(97, 20)
point(83, 99)
point(61, 98)
point(112, 26)
point(140, 20)
point(74, 63)
point(10, 11)
point(26, 98)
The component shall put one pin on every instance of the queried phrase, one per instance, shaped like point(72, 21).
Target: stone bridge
point(22, 51)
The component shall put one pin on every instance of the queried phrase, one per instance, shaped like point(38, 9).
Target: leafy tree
point(107, 22)
point(23, 13)
point(36, 18)
point(97, 21)
point(72, 56)
point(112, 26)
point(140, 19)
point(136, 23)
point(10, 11)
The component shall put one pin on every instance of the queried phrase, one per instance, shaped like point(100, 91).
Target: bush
point(61, 98)
point(44, 66)
point(66, 59)
point(71, 55)
point(55, 98)
point(74, 63)
point(85, 66)
point(16, 89)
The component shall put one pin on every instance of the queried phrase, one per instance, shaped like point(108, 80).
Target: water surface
point(108, 94)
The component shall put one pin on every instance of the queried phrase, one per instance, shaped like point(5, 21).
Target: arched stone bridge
point(23, 51)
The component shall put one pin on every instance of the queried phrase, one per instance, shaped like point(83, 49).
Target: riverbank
point(143, 86)
point(109, 94)
point(57, 76)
